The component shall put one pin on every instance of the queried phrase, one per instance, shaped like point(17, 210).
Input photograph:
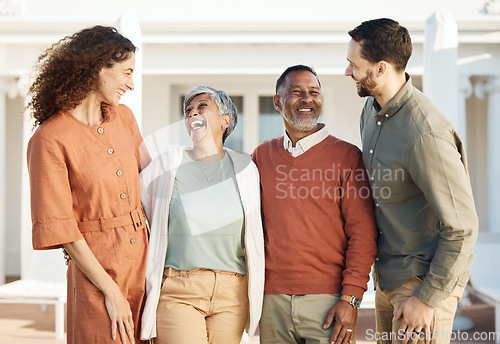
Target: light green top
point(205, 227)
point(423, 199)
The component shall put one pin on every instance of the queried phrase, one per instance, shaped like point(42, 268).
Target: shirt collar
point(307, 142)
point(396, 102)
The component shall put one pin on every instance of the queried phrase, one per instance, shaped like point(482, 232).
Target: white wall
point(243, 53)
point(13, 185)
point(477, 121)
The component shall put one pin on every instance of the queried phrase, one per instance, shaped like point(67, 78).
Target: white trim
point(3, 163)
point(469, 36)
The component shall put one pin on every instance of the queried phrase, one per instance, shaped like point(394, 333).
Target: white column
point(128, 26)
point(440, 75)
point(491, 88)
point(464, 92)
point(8, 87)
point(25, 221)
point(250, 121)
point(3, 163)
point(461, 323)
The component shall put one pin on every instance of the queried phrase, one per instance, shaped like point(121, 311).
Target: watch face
point(356, 302)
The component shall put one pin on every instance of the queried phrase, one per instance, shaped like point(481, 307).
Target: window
point(270, 121)
point(235, 140)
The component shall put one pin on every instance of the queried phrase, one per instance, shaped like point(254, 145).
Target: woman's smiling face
point(116, 80)
point(202, 119)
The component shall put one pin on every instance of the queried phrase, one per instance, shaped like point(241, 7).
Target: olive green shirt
point(424, 206)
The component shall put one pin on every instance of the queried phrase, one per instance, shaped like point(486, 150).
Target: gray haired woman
point(205, 274)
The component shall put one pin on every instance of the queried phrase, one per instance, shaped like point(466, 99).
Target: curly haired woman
point(84, 164)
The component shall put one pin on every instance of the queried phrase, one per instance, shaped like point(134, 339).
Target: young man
point(423, 200)
point(319, 228)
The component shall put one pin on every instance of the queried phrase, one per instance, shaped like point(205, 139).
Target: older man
point(319, 227)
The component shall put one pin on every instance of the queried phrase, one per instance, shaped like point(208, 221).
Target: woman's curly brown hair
point(68, 71)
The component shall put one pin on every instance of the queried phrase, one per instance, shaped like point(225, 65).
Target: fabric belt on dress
point(136, 218)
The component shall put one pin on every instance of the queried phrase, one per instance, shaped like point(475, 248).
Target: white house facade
point(242, 48)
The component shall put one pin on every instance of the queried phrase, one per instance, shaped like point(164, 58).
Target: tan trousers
point(202, 306)
point(296, 319)
point(387, 303)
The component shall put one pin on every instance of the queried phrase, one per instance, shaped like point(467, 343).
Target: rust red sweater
point(319, 226)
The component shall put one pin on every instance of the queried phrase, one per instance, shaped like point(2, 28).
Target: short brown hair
point(383, 40)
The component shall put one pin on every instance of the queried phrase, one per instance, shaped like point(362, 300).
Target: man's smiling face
point(299, 100)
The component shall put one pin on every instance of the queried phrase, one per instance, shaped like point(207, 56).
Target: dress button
point(123, 195)
point(111, 151)
point(100, 130)
point(379, 123)
point(119, 173)
point(387, 115)
point(371, 150)
point(132, 241)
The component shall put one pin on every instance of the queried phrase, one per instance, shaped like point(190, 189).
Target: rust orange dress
point(85, 184)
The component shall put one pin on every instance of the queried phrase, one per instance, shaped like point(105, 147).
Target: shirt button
point(387, 115)
point(379, 123)
point(111, 151)
point(123, 195)
point(100, 130)
point(119, 173)
point(371, 151)
point(377, 259)
point(376, 204)
point(132, 241)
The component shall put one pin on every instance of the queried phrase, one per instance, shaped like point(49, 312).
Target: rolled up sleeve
point(438, 167)
point(51, 200)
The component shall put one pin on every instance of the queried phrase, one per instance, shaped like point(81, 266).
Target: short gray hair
point(221, 99)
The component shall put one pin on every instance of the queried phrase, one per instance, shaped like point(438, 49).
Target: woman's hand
point(120, 315)
point(117, 305)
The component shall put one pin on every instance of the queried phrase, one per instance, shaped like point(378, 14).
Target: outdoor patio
point(26, 324)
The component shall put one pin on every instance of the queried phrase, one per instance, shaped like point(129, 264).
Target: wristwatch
point(354, 301)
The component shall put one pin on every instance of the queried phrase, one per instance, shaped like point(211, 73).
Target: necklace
point(219, 165)
point(206, 175)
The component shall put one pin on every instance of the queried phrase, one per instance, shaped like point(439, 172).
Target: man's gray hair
point(221, 99)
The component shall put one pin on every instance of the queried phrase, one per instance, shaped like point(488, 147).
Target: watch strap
point(354, 301)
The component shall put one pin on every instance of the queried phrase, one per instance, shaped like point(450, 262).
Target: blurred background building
point(242, 47)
